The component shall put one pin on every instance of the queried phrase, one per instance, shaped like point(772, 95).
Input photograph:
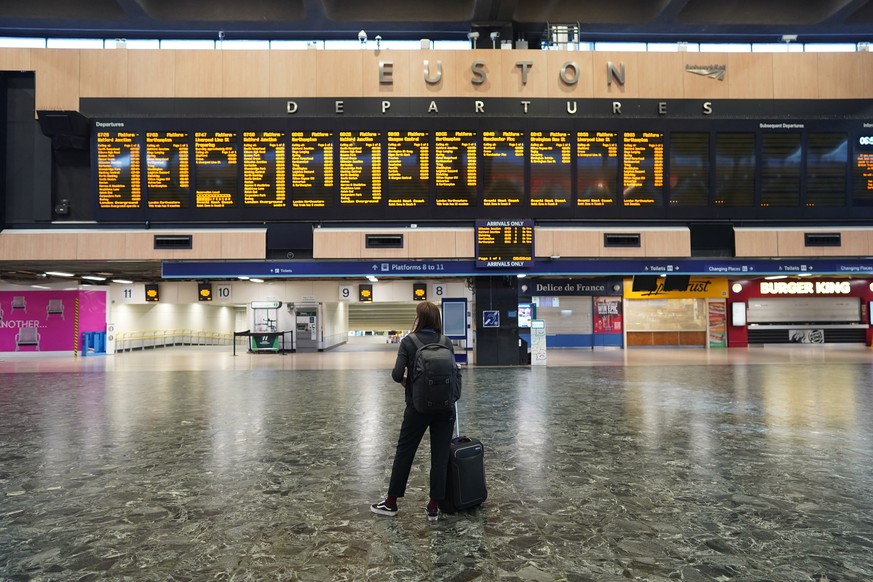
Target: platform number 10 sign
point(223, 293)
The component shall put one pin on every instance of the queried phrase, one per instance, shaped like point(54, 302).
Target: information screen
point(735, 169)
point(862, 193)
point(360, 168)
point(551, 166)
point(504, 243)
point(167, 169)
point(596, 168)
point(456, 171)
point(408, 160)
point(312, 169)
point(780, 169)
point(119, 171)
point(503, 161)
point(264, 168)
point(689, 169)
point(216, 168)
point(643, 168)
point(827, 157)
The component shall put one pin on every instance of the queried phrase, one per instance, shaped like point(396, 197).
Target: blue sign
point(490, 319)
point(466, 268)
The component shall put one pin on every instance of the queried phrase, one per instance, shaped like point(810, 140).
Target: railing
point(141, 340)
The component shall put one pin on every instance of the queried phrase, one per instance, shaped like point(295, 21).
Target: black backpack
point(436, 378)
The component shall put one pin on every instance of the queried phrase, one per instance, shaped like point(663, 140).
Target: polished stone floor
point(193, 464)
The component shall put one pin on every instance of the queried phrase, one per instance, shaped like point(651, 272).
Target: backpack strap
point(416, 341)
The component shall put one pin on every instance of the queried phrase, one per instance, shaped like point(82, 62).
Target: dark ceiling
point(599, 20)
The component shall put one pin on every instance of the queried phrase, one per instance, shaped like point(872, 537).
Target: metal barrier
point(127, 341)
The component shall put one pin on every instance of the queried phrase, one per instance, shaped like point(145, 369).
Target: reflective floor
point(193, 464)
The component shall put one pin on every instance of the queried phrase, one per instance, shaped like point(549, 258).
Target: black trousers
point(411, 432)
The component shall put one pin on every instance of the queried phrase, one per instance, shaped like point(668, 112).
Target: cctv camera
point(473, 35)
point(362, 36)
point(495, 35)
point(220, 35)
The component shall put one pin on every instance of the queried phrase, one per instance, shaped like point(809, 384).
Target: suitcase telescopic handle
point(457, 422)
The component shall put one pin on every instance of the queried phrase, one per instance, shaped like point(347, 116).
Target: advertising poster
point(45, 321)
point(607, 315)
point(717, 324)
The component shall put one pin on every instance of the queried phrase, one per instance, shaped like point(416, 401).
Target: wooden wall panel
point(661, 75)
point(103, 73)
point(293, 73)
point(336, 244)
point(431, 243)
point(463, 72)
point(339, 73)
point(667, 243)
point(537, 73)
point(465, 243)
point(12, 59)
point(244, 244)
point(750, 76)
point(866, 59)
point(792, 243)
point(702, 87)
point(631, 87)
point(575, 242)
point(400, 76)
point(57, 79)
point(840, 76)
point(198, 73)
point(245, 74)
point(452, 73)
point(151, 73)
point(584, 87)
point(756, 243)
point(37, 245)
point(795, 76)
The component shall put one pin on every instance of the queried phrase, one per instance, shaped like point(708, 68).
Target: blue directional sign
point(734, 268)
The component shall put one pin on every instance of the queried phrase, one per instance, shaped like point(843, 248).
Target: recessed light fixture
point(122, 281)
point(243, 277)
point(59, 274)
point(775, 277)
point(94, 277)
point(256, 280)
point(372, 278)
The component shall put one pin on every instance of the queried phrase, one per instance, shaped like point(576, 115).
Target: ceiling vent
point(622, 240)
point(173, 242)
point(822, 239)
point(384, 241)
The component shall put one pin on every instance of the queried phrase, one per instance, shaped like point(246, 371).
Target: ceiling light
point(243, 278)
point(775, 277)
point(372, 278)
point(59, 274)
point(256, 280)
point(122, 281)
point(94, 277)
point(39, 287)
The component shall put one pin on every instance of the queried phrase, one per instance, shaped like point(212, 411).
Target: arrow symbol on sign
point(375, 267)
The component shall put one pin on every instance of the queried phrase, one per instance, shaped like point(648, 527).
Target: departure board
point(734, 169)
point(503, 160)
point(689, 169)
point(780, 169)
point(643, 168)
point(167, 169)
point(551, 167)
point(360, 168)
point(312, 169)
point(827, 157)
point(596, 168)
point(119, 173)
point(215, 168)
point(862, 193)
point(408, 164)
point(456, 174)
point(264, 168)
point(504, 243)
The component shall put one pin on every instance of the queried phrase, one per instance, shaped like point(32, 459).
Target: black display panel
point(456, 171)
point(503, 159)
point(312, 169)
point(216, 169)
point(360, 168)
point(407, 157)
point(827, 158)
point(410, 169)
point(597, 168)
point(168, 169)
point(119, 169)
point(689, 169)
point(643, 168)
point(735, 169)
point(504, 243)
point(780, 169)
point(264, 168)
point(551, 169)
point(862, 166)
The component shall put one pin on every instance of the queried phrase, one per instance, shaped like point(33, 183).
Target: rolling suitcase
point(465, 482)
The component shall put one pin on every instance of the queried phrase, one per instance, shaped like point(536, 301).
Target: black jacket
point(406, 357)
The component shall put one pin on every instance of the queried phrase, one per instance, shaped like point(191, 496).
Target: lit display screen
point(504, 243)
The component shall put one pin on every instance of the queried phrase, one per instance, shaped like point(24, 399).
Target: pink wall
point(56, 331)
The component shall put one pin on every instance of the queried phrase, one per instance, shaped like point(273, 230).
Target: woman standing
point(428, 329)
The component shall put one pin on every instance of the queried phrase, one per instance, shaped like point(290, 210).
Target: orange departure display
point(360, 168)
point(168, 170)
point(216, 166)
point(408, 169)
point(119, 170)
point(264, 168)
point(312, 169)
